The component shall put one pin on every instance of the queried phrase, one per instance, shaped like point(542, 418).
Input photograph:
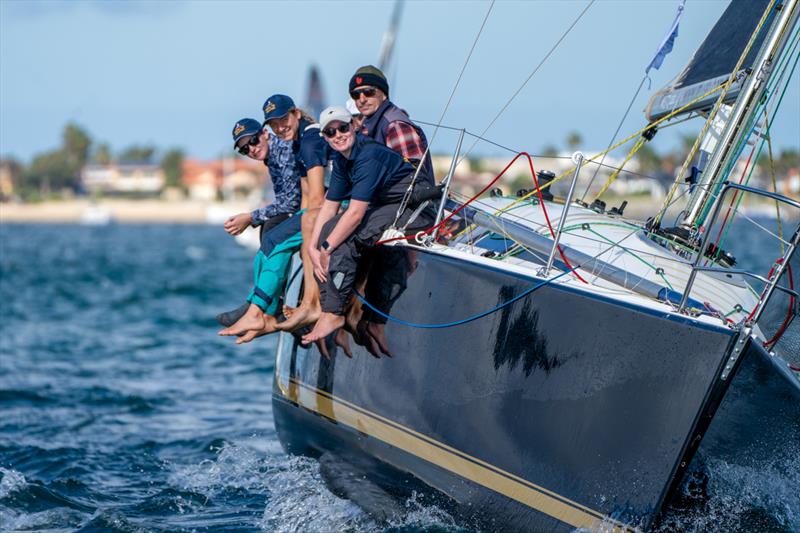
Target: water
point(121, 410)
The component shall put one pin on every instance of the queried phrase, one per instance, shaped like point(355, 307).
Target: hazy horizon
point(179, 74)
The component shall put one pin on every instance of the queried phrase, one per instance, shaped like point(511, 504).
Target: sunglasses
point(245, 148)
point(368, 92)
point(331, 132)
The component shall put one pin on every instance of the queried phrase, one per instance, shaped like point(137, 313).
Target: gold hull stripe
point(446, 457)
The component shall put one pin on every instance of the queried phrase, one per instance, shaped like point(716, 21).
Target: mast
point(728, 133)
point(387, 43)
point(315, 96)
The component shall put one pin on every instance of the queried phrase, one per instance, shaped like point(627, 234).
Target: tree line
point(58, 170)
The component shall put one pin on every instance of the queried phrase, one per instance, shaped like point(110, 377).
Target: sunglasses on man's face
point(245, 148)
point(369, 92)
point(331, 132)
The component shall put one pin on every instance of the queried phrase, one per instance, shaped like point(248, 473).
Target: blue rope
point(465, 320)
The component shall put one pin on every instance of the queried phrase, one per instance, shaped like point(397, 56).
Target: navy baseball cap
point(245, 127)
point(277, 106)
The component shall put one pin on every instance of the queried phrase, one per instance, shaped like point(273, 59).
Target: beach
point(121, 210)
point(82, 210)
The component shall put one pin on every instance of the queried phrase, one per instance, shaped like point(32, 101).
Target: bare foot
point(363, 338)
point(247, 337)
point(269, 327)
point(327, 324)
point(302, 316)
point(341, 339)
point(378, 332)
point(323, 348)
point(288, 311)
point(253, 319)
point(352, 315)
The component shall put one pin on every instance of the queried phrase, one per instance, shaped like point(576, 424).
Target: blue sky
point(180, 73)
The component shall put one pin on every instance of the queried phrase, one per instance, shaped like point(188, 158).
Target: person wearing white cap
point(374, 179)
point(358, 117)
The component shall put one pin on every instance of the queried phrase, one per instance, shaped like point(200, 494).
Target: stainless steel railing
point(577, 158)
point(447, 181)
point(772, 282)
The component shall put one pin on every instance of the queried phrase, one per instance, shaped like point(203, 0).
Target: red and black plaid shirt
point(404, 139)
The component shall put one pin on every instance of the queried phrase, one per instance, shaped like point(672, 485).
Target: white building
point(123, 179)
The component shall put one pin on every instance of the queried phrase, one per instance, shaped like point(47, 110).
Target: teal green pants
point(271, 264)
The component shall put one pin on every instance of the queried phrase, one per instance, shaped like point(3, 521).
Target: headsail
point(714, 61)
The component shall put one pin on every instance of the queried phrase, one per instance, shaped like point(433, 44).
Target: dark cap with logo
point(277, 106)
point(244, 128)
point(372, 76)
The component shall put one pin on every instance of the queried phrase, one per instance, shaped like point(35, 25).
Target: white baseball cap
point(350, 104)
point(333, 113)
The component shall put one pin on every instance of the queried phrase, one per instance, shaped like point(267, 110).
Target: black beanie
point(370, 75)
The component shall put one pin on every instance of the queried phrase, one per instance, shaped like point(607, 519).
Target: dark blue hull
point(758, 422)
point(562, 410)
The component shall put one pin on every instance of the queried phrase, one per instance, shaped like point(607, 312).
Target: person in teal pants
point(280, 237)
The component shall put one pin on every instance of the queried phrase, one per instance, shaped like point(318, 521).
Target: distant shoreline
point(126, 211)
point(121, 211)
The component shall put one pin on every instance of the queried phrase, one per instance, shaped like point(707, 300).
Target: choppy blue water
point(121, 409)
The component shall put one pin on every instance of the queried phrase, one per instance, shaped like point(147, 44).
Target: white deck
point(623, 244)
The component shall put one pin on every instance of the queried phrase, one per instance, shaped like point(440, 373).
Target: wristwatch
point(325, 245)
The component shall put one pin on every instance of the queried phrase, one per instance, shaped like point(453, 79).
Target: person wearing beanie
point(280, 231)
point(374, 179)
point(387, 123)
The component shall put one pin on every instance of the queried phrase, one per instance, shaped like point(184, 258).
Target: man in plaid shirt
point(387, 123)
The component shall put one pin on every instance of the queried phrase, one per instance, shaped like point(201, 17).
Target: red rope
point(769, 276)
point(465, 204)
point(789, 314)
point(733, 199)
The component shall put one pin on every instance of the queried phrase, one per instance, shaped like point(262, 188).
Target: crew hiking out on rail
point(309, 157)
point(375, 180)
point(280, 231)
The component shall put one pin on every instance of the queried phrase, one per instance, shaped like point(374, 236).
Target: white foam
point(299, 501)
point(296, 496)
point(11, 481)
point(772, 487)
point(236, 467)
point(43, 521)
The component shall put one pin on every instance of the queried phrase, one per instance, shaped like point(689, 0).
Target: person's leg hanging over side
point(308, 311)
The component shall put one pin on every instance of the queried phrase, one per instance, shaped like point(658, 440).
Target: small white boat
point(96, 215)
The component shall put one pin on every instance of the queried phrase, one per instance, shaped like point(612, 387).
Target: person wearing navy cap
point(280, 236)
point(251, 140)
point(312, 154)
point(374, 179)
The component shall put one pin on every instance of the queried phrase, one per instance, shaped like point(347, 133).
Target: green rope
point(731, 164)
point(758, 154)
point(590, 230)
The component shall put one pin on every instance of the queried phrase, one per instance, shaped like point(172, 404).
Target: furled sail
point(713, 62)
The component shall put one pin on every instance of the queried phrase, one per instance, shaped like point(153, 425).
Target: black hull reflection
point(562, 410)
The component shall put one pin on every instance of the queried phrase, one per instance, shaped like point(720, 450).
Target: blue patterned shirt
point(285, 174)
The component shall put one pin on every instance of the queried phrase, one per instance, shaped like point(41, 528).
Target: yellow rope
point(714, 111)
point(571, 169)
point(601, 154)
point(725, 88)
point(616, 173)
